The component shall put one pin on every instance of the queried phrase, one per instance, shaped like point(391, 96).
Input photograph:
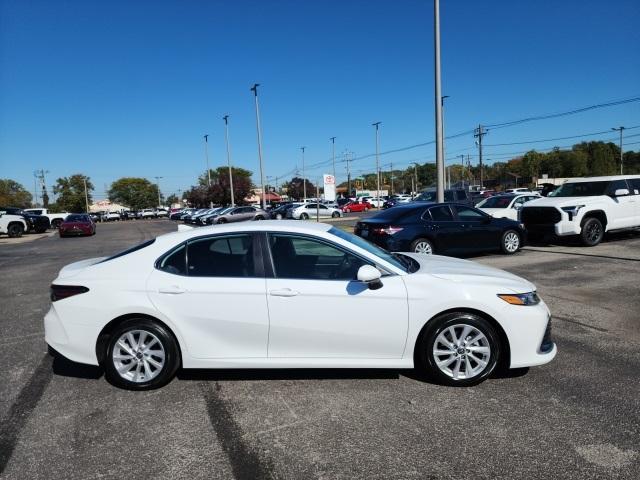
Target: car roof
point(600, 179)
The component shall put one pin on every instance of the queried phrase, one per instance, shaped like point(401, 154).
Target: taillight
point(387, 230)
point(59, 292)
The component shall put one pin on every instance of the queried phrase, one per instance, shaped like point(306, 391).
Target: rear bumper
point(77, 343)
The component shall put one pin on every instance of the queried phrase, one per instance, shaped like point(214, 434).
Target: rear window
point(397, 214)
point(582, 189)
point(130, 250)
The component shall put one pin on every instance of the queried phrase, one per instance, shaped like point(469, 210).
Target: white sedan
point(291, 295)
point(312, 210)
point(506, 206)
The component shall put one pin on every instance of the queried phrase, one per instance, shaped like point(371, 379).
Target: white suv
point(12, 225)
point(587, 207)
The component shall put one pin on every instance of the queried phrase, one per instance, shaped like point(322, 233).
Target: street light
point(158, 186)
point(226, 138)
point(377, 126)
point(304, 180)
point(621, 161)
point(444, 155)
point(254, 89)
point(438, 102)
point(206, 154)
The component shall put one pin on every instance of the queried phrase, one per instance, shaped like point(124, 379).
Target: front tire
point(422, 245)
point(458, 349)
point(592, 232)
point(56, 223)
point(335, 214)
point(304, 216)
point(15, 230)
point(141, 355)
point(510, 242)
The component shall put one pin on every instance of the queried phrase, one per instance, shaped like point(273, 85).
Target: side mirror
point(371, 276)
point(621, 192)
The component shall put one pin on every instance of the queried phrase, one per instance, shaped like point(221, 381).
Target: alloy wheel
point(461, 351)
point(423, 247)
point(594, 231)
point(138, 356)
point(511, 242)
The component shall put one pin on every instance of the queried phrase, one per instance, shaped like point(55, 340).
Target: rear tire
point(15, 230)
point(141, 355)
point(259, 217)
point(222, 220)
point(510, 242)
point(458, 349)
point(422, 245)
point(55, 223)
point(304, 216)
point(335, 214)
point(592, 232)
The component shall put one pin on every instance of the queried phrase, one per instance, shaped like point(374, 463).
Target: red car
point(77, 224)
point(356, 207)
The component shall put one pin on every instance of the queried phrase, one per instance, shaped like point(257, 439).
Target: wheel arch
point(105, 333)
point(505, 358)
point(599, 214)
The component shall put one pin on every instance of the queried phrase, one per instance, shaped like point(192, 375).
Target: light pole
point(86, 194)
point(621, 161)
point(226, 138)
point(304, 180)
point(206, 154)
point(333, 156)
point(444, 154)
point(158, 186)
point(438, 102)
point(254, 89)
point(377, 127)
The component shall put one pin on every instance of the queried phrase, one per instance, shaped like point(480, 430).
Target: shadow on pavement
point(67, 368)
point(287, 374)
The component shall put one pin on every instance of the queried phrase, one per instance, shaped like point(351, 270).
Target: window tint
point(175, 262)
point(310, 259)
point(582, 189)
point(469, 214)
point(460, 195)
point(520, 200)
point(616, 185)
point(224, 256)
point(441, 213)
point(634, 183)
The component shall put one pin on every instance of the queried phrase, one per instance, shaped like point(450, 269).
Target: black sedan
point(442, 228)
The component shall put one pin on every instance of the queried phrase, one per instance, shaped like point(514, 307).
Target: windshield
point(495, 202)
point(371, 248)
point(581, 189)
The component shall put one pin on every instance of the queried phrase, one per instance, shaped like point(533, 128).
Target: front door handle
point(283, 292)
point(171, 290)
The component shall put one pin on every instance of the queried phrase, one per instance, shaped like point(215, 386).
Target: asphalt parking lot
point(577, 417)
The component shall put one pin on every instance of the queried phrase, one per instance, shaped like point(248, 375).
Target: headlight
point(572, 211)
point(526, 299)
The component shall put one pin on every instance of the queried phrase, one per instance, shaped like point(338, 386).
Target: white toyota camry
point(291, 295)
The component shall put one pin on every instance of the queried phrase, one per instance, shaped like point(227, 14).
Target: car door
point(623, 207)
point(440, 224)
point(213, 290)
point(318, 309)
point(479, 230)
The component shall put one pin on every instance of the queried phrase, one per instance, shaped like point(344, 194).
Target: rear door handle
point(172, 290)
point(283, 292)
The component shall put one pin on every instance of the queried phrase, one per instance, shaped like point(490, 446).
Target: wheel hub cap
point(138, 356)
point(461, 351)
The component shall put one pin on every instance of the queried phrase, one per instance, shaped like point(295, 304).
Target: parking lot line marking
point(21, 409)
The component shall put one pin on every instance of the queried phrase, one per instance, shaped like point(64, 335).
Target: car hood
point(76, 267)
point(494, 211)
point(470, 273)
point(561, 201)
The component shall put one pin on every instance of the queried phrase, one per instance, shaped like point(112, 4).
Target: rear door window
point(221, 256)
point(441, 213)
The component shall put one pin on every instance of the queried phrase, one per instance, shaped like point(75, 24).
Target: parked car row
point(147, 213)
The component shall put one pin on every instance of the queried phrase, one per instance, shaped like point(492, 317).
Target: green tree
point(171, 199)
point(295, 188)
point(220, 191)
point(71, 193)
point(13, 194)
point(133, 192)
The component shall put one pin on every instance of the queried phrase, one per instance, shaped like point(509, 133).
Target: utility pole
point(347, 155)
point(206, 154)
point(226, 138)
point(462, 171)
point(158, 186)
point(621, 160)
point(254, 89)
point(479, 133)
point(444, 150)
point(86, 194)
point(304, 180)
point(438, 104)
point(333, 156)
point(415, 174)
point(391, 165)
point(377, 126)
point(35, 188)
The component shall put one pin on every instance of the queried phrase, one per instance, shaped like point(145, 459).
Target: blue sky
point(128, 88)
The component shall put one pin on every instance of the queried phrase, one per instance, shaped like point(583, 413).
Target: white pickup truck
point(12, 225)
point(55, 218)
point(587, 207)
